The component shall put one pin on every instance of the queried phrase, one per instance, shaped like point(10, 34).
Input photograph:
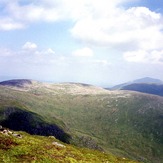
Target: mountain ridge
point(147, 80)
point(144, 85)
point(68, 87)
point(155, 89)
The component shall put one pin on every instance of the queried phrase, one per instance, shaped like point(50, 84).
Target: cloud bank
point(84, 52)
point(137, 32)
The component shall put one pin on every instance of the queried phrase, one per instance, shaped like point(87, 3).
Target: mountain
point(146, 80)
point(156, 89)
point(144, 85)
point(125, 123)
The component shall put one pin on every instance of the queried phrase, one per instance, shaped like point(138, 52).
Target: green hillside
point(121, 122)
point(39, 149)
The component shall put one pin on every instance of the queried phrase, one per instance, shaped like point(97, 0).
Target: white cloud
point(9, 24)
point(29, 53)
point(50, 51)
point(120, 28)
point(32, 49)
point(101, 62)
point(136, 31)
point(84, 52)
point(29, 46)
point(153, 56)
point(33, 12)
point(94, 62)
point(23, 13)
point(136, 56)
point(17, 14)
point(4, 52)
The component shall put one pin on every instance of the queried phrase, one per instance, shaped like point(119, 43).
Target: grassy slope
point(39, 149)
point(128, 124)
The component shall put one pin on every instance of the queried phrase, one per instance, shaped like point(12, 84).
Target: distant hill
point(156, 89)
point(16, 82)
point(125, 123)
point(144, 85)
point(148, 80)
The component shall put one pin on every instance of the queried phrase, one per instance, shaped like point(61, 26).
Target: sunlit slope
point(41, 149)
point(125, 123)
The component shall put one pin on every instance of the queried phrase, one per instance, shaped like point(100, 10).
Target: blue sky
point(89, 41)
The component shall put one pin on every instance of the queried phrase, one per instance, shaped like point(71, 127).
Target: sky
point(102, 42)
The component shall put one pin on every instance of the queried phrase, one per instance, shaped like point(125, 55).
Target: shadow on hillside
point(21, 120)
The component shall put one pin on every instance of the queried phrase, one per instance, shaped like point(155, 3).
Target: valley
point(124, 123)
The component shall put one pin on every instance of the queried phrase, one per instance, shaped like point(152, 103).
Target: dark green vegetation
point(124, 123)
point(21, 120)
point(156, 89)
point(39, 149)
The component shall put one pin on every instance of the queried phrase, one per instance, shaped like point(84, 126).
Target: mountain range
point(126, 123)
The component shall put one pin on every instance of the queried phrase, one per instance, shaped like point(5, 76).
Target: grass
point(40, 149)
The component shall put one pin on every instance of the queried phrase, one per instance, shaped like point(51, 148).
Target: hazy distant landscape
point(125, 123)
point(144, 85)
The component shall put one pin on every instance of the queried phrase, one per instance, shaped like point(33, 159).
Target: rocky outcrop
point(7, 132)
point(58, 145)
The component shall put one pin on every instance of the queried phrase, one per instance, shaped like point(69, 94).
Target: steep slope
point(125, 123)
point(27, 148)
point(23, 120)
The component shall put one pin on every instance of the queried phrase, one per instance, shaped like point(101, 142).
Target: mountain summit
point(148, 80)
point(144, 85)
point(16, 82)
